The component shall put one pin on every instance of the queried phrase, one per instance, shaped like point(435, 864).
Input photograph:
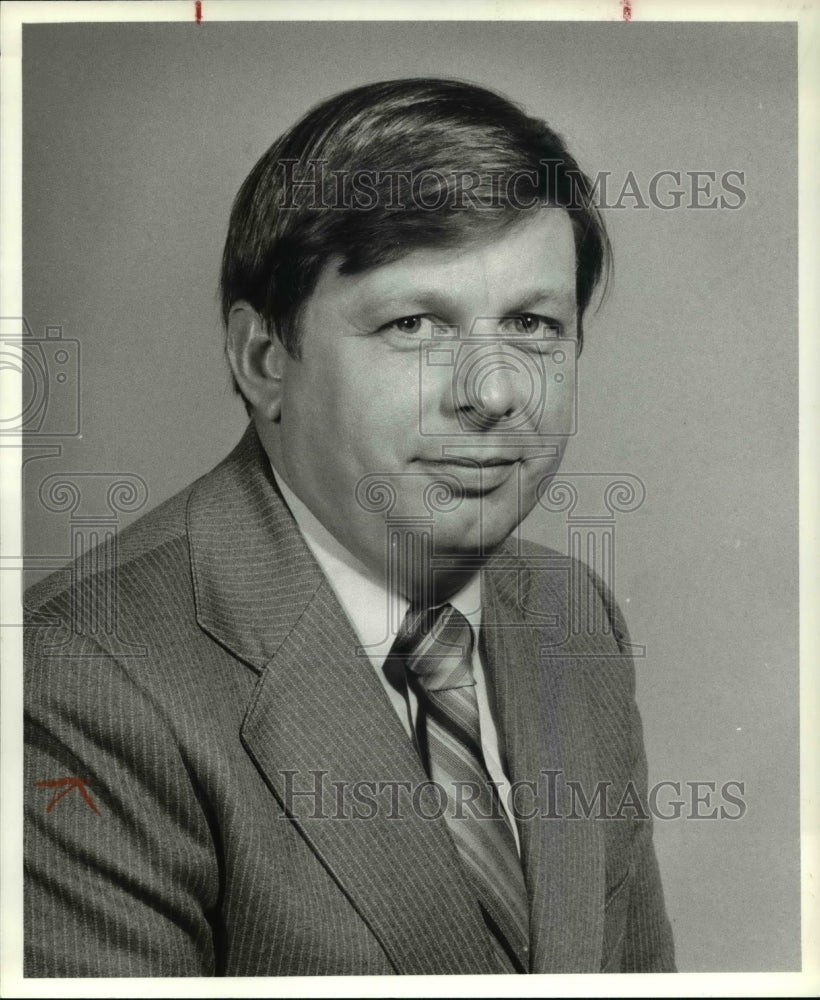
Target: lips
point(470, 462)
point(476, 476)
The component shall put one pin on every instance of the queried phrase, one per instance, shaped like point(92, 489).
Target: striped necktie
point(435, 645)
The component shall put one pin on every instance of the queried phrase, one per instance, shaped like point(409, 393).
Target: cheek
point(353, 399)
point(384, 404)
point(314, 395)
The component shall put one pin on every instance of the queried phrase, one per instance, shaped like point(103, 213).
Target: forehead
point(533, 258)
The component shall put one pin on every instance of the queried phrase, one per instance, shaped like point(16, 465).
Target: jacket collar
point(253, 575)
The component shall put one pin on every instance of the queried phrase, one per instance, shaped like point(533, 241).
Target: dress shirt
point(366, 601)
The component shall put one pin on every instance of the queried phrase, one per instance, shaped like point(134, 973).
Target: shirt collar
point(364, 598)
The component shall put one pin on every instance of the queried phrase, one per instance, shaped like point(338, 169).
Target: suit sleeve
point(647, 944)
point(120, 870)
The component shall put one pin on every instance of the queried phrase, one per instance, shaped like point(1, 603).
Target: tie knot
point(437, 646)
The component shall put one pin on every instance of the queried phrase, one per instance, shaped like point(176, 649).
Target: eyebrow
point(425, 300)
point(559, 297)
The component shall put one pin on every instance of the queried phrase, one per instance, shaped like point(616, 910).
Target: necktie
point(436, 648)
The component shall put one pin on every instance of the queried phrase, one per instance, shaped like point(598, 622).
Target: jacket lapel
point(318, 707)
point(548, 740)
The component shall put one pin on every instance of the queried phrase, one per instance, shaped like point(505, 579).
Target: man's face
point(378, 397)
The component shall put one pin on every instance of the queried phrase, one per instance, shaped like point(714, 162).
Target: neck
point(438, 586)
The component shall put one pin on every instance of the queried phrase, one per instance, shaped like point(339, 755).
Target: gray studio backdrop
point(136, 138)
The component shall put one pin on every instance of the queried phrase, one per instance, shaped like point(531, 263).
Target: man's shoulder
point(143, 562)
point(543, 579)
point(123, 624)
point(146, 545)
point(157, 545)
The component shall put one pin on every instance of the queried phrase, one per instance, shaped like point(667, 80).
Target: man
point(346, 718)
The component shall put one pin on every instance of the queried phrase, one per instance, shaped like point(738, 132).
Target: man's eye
point(529, 324)
point(406, 324)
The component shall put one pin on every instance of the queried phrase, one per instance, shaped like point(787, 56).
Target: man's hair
point(379, 171)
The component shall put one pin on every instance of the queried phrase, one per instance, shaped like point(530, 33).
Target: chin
point(485, 537)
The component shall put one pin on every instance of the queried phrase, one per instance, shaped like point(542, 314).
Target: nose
point(492, 385)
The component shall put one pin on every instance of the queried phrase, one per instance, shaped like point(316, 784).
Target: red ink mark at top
point(198, 11)
point(626, 10)
point(67, 784)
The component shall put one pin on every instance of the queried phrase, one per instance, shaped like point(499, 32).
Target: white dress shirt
point(366, 601)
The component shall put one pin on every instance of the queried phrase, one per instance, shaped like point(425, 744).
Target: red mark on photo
point(67, 784)
point(198, 11)
point(626, 10)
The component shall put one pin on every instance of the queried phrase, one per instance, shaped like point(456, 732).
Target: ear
point(257, 359)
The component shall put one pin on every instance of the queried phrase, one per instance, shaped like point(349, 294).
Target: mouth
point(471, 461)
point(476, 475)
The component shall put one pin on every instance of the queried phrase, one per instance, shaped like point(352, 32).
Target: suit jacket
point(245, 796)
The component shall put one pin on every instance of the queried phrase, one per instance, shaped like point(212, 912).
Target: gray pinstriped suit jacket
point(200, 860)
